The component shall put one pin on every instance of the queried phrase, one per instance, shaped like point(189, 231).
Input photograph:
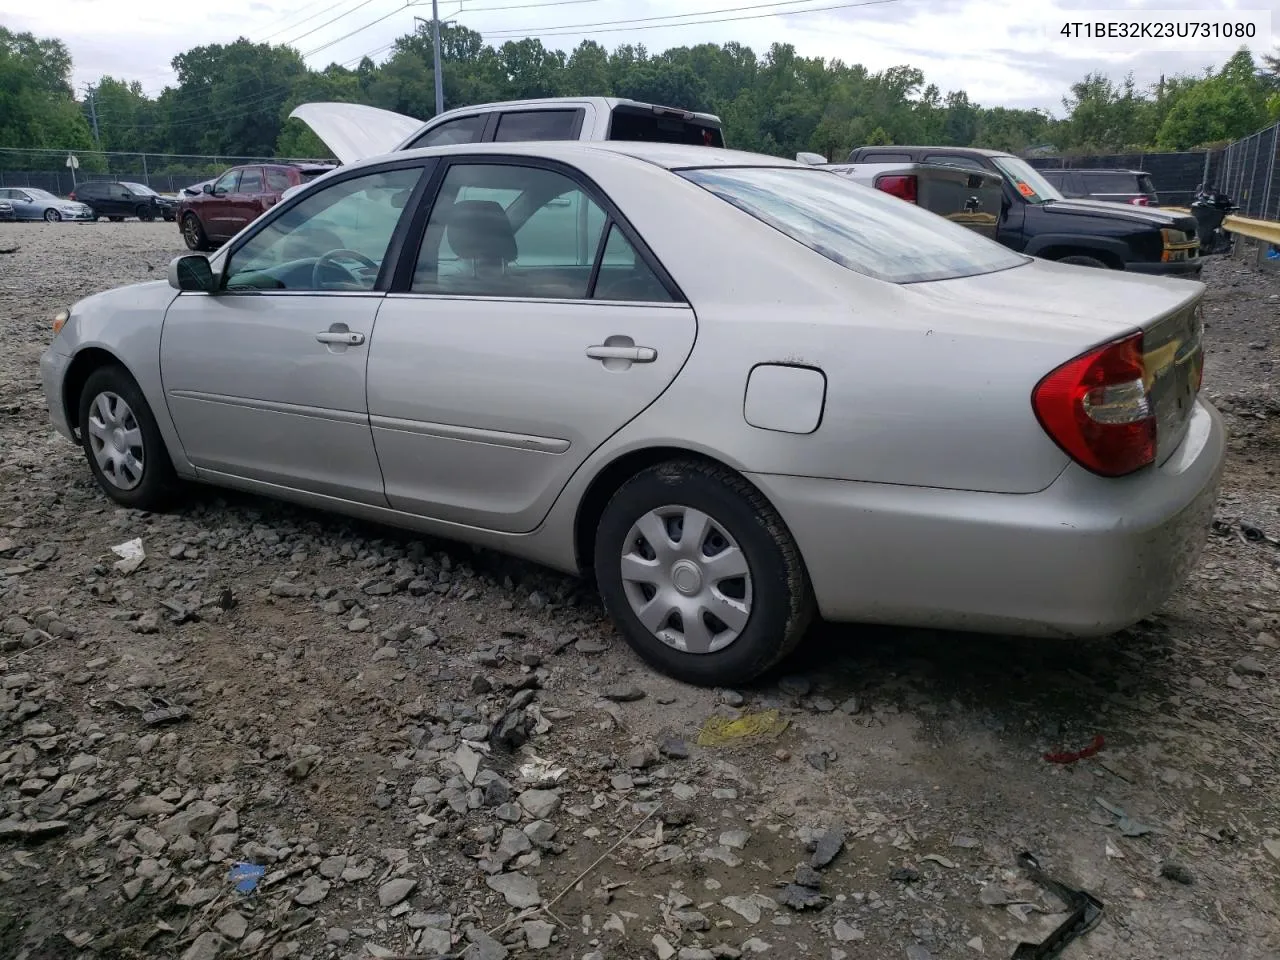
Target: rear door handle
point(348, 338)
point(634, 354)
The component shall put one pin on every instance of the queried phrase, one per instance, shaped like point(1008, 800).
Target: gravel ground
point(410, 748)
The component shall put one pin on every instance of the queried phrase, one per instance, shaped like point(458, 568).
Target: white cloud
point(998, 50)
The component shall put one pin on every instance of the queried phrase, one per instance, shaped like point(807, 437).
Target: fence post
point(146, 178)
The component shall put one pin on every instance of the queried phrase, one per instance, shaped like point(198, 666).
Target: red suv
point(237, 198)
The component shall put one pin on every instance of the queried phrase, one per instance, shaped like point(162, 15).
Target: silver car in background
point(737, 390)
point(32, 203)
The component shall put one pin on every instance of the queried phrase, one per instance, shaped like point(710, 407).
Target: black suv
point(1115, 186)
point(1036, 219)
point(115, 201)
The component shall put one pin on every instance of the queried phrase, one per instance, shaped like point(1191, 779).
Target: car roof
point(959, 151)
point(607, 103)
point(672, 156)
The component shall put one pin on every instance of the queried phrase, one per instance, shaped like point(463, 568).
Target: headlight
point(1174, 238)
point(60, 320)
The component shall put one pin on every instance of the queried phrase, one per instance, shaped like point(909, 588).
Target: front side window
point(141, 189)
point(500, 230)
point(1026, 180)
point(335, 239)
point(463, 130)
point(536, 125)
point(860, 228)
point(227, 182)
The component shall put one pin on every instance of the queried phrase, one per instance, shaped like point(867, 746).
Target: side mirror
point(192, 272)
point(208, 188)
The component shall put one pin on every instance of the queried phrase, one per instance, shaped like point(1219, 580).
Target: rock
point(663, 947)
point(806, 876)
point(1272, 847)
point(734, 839)
point(590, 646)
point(537, 934)
point(195, 820)
point(434, 943)
point(977, 945)
point(800, 898)
point(673, 748)
point(511, 731)
point(829, 845)
point(286, 588)
point(732, 698)
point(514, 842)
point(207, 946)
point(695, 953)
point(756, 945)
point(518, 890)
point(540, 804)
point(31, 829)
point(540, 832)
point(642, 757)
point(232, 925)
point(822, 705)
point(748, 909)
point(483, 947)
point(312, 892)
point(393, 891)
point(691, 920)
point(1250, 667)
point(1176, 872)
point(904, 874)
point(795, 686)
point(846, 932)
point(468, 762)
point(917, 952)
point(992, 895)
point(622, 693)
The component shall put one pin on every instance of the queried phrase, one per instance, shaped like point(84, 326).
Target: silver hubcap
point(116, 440)
point(687, 580)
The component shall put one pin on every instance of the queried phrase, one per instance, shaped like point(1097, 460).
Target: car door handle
point(634, 354)
point(348, 338)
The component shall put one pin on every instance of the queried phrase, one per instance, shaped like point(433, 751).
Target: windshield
point(1027, 180)
point(860, 228)
point(37, 192)
point(140, 189)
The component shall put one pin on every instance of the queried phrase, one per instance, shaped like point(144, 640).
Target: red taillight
point(902, 187)
point(1140, 202)
point(1097, 409)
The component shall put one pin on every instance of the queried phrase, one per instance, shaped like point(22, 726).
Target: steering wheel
point(332, 257)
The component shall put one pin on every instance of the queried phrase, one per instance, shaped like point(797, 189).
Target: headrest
point(480, 230)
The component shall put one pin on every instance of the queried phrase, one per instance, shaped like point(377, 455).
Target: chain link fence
point(1249, 174)
point(162, 172)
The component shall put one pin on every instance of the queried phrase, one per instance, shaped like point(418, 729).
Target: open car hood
point(354, 131)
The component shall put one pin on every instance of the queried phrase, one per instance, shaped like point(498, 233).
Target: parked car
point(738, 390)
point(167, 206)
point(6, 211)
point(354, 131)
point(232, 201)
point(32, 203)
point(116, 201)
point(971, 198)
point(1114, 186)
point(1035, 218)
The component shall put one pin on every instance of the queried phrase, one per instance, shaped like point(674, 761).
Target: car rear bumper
point(53, 370)
point(1084, 557)
point(1189, 269)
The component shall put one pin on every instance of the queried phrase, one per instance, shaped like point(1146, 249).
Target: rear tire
point(193, 233)
point(52, 216)
point(122, 442)
point(739, 530)
point(116, 219)
point(1082, 261)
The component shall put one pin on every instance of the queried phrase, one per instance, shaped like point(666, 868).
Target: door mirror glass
point(208, 188)
point(192, 272)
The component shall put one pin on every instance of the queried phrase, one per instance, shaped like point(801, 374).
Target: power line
point(345, 36)
point(643, 23)
point(363, 3)
point(294, 26)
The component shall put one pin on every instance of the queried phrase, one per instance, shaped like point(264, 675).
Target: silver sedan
point(32, 203)
point(737, 390)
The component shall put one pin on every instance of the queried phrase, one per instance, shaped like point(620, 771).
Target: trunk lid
point(1083, 307)
point(354, 131)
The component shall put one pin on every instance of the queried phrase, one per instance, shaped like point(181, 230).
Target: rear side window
point(862, 229)
point(1110, 182)
point(463, 130)
point(251, 180)
point(645, 126)
point(969, 163)
point(1145, 184)
point(277, 179)
point(539, 125)
point(886, 158)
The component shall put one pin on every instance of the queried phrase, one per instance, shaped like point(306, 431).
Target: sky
point(1003, 52)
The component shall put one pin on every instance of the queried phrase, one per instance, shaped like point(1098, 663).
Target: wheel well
point(85, 362)
point(606, 484)
point(1107, 257)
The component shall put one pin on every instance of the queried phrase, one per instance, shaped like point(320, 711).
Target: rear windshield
point(309, 175)
point(866, 230)
point(644, 125)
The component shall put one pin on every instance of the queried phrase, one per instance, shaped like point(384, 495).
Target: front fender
point(127, 324)
point(1116, 248)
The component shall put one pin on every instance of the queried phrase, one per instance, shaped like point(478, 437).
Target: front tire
point(193, 233)
point(52, 216)
point(122, 442)
point(700, 574)
point(144, 213)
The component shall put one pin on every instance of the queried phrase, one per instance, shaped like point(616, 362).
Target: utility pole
point(93, 114)
point(435, 49)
